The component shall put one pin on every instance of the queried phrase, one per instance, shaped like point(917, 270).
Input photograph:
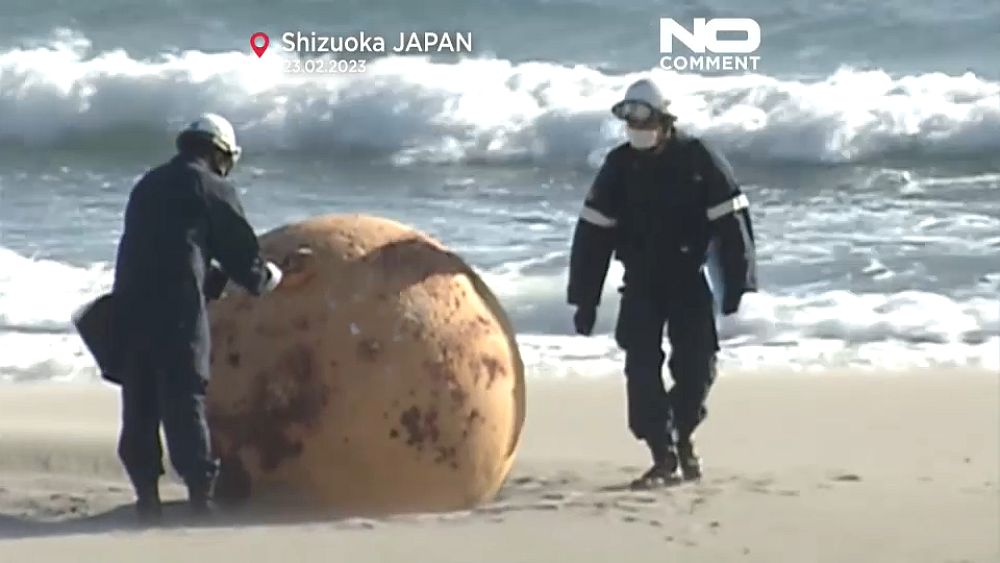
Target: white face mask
point(642, 138)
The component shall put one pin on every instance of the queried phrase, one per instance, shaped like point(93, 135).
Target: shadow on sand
point(176, 515)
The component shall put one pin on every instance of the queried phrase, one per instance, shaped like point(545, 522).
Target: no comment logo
point(731, 42)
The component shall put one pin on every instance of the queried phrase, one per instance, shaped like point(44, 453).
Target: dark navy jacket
point(180, 216)
point(658, 213)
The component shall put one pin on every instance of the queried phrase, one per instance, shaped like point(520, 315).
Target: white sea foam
point(479, 110)
point(827, 328)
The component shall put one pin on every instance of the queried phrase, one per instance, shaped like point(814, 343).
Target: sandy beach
point(848, 466)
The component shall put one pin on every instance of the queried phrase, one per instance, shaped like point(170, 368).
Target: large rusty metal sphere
point(381, 377)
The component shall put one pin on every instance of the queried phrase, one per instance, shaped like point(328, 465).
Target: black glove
point(584, 319)
point(731, 302)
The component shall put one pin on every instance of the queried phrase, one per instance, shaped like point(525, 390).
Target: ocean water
point(868, 142)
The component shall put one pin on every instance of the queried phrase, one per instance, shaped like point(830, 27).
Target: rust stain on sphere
point(381, 377)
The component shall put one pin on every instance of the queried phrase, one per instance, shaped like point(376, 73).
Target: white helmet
point(641, 97)
point(219, 130)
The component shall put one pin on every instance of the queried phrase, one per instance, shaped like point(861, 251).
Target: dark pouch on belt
point(94, 324)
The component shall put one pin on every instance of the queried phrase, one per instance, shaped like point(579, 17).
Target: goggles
point(234, 151)
point(634, 111)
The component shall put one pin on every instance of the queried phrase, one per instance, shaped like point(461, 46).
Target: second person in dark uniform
point(658, 203)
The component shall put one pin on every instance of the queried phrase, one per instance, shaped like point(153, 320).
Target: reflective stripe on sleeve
point(595, 217)
point(729, 206)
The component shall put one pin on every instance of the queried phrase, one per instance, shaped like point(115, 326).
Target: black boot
point(200, 498)
point(664, 470)
point(148, 508)
point(690, 463)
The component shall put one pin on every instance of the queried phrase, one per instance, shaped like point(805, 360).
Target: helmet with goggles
point(642, 103)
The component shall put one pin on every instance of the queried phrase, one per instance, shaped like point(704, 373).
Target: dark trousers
point(655, 415)
point(154, 392)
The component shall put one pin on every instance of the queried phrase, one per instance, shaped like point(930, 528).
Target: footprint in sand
point(621, 487)
point(641, 499)
point(695, 503)
point(847, 478)
point(758, 485)
point(629, 519)
point(526, 484)
point(626, 508)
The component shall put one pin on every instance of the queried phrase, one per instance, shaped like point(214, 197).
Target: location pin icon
point(262, 38)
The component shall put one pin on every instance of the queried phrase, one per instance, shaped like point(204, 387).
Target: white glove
point(274, 277)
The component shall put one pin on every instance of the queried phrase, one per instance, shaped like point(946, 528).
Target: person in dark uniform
point(180, 217)
point(658, 204)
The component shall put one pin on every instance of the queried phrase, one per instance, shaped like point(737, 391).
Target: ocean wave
point(37, 298)
point(836, 327)
point(475, 110)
